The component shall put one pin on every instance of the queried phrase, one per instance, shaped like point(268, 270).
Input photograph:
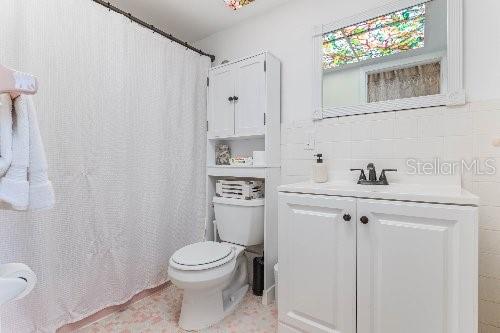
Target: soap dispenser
point(320, 171)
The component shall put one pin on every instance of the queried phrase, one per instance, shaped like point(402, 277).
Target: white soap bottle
point(320, 170)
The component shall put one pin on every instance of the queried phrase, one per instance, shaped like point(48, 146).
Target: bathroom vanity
point(377, 259)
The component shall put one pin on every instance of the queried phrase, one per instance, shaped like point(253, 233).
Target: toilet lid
point(201, 254)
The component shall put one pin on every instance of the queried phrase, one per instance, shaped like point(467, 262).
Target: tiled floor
point(160, 312)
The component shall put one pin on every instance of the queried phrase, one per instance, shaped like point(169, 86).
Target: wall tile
point(488, 313)
point(361, 150)
point(483, 145)
point(361, 131)
point(491, 105)
point(484, 328)
point(406, 127)
point(431, 126)
point(337, 132)
point(335, 150)
point(296, 152)
point(458, 148)
point(489, 265)
point(486, 122)
point(458, 124)
point(488, 241)
point(382, 149)
point(383, 129)
point(485, 174)
point(489, 217)
point(488, 289)
point(293, 179)
point(296, 167)
point(488, 192)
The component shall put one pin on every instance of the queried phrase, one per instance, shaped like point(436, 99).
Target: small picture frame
point(222, 154)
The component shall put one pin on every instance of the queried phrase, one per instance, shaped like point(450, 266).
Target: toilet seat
point(202, 256)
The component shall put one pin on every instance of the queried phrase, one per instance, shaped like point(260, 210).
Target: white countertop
point(401, 192)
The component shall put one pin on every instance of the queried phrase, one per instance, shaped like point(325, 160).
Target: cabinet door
point(417, 268)
point(317, 258)
point(250, 106)
point(220, 107)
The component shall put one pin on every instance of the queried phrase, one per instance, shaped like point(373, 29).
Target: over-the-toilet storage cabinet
point(412, 268)
point(244, 110)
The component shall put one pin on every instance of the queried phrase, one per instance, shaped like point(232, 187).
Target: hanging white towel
point(20, 189)
point(14, 186)
point(41, 191)
point(5, 133)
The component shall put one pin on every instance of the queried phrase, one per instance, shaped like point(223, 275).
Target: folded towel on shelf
point(26, 186)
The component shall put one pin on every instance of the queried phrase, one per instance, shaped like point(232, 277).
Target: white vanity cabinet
point(317, 258)
point(394, 267)
point(239, 93)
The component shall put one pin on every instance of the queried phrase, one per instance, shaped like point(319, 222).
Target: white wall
point(390, 138)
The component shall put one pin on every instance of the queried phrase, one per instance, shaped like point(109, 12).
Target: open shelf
point(236, 171)
point(237, 137)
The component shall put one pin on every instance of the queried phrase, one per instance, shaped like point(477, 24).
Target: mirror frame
point(455, 94)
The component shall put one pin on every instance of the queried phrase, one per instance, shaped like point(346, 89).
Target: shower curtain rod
point(153, 28)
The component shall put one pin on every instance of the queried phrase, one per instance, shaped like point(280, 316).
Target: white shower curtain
point(122, 115)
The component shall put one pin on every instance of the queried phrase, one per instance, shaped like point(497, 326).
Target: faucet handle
point(383, 177)
point(362, 175)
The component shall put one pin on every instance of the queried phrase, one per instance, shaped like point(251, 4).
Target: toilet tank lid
point(239, 202)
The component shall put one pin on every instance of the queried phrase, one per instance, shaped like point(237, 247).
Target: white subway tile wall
point(389, 140)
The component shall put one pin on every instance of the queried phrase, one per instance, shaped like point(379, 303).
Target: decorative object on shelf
point(259, 158)
point(237, 4)
point(241, 161)
point(222, 154)
point(240, 189)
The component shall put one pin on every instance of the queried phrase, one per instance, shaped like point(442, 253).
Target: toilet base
point(204, 308)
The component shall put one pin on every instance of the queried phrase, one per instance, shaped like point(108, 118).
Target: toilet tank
point(240, 221)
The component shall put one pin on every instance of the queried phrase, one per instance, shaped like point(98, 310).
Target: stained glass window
point(237, 4)
point(393, 33)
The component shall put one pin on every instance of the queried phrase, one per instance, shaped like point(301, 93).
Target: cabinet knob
point(231, 98)
point(347, 217)
point(364, 220)
point(236, 98)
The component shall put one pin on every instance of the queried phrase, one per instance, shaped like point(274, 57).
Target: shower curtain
point(122, 115)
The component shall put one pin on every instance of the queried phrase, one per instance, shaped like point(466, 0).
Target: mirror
point(390, 58)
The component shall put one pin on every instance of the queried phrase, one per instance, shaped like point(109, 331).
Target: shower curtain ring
point(109, 6)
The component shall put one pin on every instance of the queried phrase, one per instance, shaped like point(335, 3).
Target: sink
point(395, 191)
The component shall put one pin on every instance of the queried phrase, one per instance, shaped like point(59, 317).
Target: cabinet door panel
point(251, 92)
point(220, 109)
point(317, 255)
point(416, 267)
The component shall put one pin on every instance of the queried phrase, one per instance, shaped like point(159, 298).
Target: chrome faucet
point(372, 176)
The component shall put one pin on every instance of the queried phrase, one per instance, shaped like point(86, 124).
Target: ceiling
point(192, 20)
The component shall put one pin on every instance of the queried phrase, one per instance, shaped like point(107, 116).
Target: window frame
point(453, 92)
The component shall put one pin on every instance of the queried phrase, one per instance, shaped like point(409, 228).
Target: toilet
point(214, 276)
